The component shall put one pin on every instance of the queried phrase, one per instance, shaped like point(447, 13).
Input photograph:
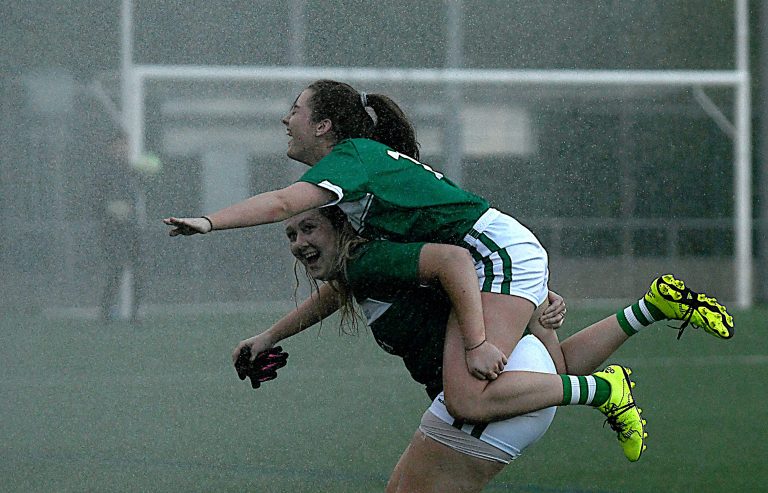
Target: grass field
point(157, 407)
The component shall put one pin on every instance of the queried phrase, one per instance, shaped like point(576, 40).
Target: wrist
point(472, 348)
point(271, 337)
point(210, 223)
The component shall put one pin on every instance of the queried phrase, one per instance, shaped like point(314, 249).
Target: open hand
point(188, 225)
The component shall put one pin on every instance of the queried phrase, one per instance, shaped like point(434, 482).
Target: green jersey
point(406, 318)
point(388, 195)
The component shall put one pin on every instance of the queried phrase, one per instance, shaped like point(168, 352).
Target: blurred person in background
point(120, 191)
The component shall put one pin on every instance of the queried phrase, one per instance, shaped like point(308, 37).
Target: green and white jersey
point(406, 318)
point(388, 195)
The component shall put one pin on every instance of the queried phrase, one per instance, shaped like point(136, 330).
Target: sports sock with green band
point(587, 390)
point(638, 315)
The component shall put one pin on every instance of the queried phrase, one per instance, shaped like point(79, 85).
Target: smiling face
point(314, 242)
point(309, 140)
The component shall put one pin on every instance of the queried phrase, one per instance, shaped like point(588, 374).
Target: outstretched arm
point(452, 267)
point(317, 307)
point(264, 208)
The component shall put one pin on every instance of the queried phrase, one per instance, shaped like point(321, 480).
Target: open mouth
point(311, 258)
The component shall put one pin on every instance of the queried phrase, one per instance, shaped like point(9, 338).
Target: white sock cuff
point(581, 394)
point(632, 319)
point(646, 311)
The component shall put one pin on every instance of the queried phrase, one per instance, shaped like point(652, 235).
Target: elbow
point(456, 253)
point(280, 212)
point(279, 208)
point(452, 258)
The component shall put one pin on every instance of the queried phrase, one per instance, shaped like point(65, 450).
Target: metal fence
point(620, 181)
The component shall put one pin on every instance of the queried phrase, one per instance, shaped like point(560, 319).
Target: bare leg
point(513, 393)
point(587, 349)
point(137, 267)
point(429, 466)
point(109, 296)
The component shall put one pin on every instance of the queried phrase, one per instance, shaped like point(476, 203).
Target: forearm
point(314, 309)
point(455, 272)
point(271, 207)
point(467, 306)
point(264, 208)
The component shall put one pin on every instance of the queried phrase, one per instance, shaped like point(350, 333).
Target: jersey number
point(396, 155)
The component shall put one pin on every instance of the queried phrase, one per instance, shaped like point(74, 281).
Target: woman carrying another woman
point(363, 156)
point(405, 292)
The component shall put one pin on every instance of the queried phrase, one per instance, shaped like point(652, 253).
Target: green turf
point(157, 407)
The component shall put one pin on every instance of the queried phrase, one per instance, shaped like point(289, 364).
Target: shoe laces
point(693, 303)
point(686, 322)
point(612, 419)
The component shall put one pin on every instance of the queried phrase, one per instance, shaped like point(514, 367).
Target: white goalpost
point(135, 76)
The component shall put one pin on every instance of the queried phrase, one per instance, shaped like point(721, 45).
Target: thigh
point(429, 466)
point(514, 393)
point(506, 318)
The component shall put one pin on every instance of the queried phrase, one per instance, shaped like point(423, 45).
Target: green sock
point(585, 390)
point(638, 315)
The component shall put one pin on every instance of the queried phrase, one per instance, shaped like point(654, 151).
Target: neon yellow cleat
point(677, 302)
point(621, 412)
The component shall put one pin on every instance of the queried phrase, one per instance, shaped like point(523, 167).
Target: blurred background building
point(620, 182)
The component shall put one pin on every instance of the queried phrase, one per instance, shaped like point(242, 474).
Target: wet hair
point(343, 106)
point(347, 241)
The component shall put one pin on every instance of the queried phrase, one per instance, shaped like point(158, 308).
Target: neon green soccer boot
point(677, 302)
point(621, 412)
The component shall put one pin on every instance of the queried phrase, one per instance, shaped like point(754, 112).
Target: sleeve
point(341, 172)
point(385, 266)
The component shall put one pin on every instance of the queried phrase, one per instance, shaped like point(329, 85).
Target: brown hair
point(347, 240)
point(343, 106)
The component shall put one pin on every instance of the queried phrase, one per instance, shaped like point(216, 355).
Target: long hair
point(347, 241)
point(344, 107)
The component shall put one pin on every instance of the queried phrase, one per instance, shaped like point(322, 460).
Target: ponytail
point(350, 114)
point(393, 128)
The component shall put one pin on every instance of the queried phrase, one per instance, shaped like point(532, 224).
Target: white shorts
point(508, 257)
point(500, 441)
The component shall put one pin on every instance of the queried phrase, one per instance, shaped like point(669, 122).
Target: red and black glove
point(263, 368)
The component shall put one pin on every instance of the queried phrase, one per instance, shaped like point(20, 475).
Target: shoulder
point(360, 146)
